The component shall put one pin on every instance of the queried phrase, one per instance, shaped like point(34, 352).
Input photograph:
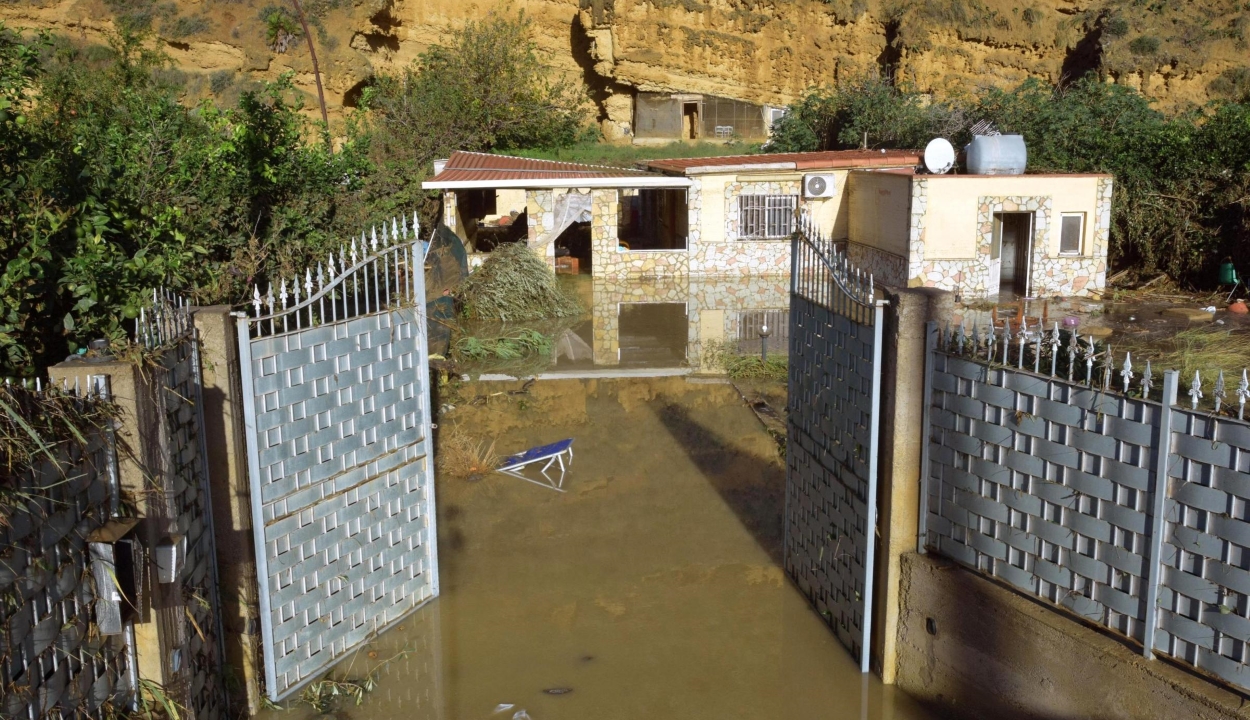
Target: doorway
point(1009, 255)
point(690, 120)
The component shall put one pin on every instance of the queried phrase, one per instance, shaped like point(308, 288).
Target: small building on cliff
point(978, 236)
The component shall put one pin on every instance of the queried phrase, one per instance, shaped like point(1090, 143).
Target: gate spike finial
point(1219, 393)
point(295, 287)
point(1147, 381)
point(255, 299)
point(1126, 370)
point(1243, 392)
point(308, 286)
point(362, 242)
point(394, 231)
point(403, 225)
point(321, 278)
point(416, 226)
point(373, 241)
point(1195, 390)
point(269, 298)
point(282, 296)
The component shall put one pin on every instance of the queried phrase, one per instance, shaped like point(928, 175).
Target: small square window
point(1071, 233)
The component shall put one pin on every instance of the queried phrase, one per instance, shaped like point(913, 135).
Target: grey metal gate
point(336, 394)
point(831, 452)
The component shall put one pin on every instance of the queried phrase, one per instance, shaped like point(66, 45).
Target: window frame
point(773, 211)
point(1080, 235)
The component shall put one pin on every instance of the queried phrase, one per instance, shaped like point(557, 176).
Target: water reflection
point(651, 589)
point(666, 322)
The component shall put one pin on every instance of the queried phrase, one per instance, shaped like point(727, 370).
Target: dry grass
point(461, 455)
point(1203, 350)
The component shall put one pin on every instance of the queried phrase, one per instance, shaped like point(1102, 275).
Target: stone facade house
point(978, 236)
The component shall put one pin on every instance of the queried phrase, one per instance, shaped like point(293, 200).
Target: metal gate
point(336, 406)
point(831, 452)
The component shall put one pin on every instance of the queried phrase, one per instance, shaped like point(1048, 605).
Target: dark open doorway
point(1014, 241)
point(690, 124)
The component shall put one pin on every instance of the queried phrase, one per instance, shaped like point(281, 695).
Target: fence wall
point(53, 659)
point(1129, 512)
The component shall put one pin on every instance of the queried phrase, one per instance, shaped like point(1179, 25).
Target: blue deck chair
point(554, 455)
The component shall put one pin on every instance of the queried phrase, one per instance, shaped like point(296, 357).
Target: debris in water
point(503, 707)
point(558, 690)
point(521, 715)
point(587, 658)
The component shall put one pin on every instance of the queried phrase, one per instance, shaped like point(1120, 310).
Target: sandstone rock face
point(762, 51)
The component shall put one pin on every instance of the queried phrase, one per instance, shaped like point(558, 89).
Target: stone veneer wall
point(540, 219)
point(451, 211)
point(1051, 275)
point(886, 267)
point(1066, 275)
point(608, 260)
point(916, 229)
point(732, 256)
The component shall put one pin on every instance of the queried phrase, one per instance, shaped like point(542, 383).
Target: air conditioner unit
point(818, 186)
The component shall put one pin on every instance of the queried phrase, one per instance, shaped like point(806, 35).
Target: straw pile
point(514, 284)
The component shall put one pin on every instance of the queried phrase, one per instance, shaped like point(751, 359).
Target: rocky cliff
point(764, 51)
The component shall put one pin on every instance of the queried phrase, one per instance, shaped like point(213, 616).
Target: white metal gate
point(336, 405)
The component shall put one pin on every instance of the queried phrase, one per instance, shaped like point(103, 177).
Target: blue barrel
point(997, 155)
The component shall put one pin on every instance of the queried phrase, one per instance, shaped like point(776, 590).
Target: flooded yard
point(652, 588)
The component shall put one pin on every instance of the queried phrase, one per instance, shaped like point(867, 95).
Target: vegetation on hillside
point(1182, 192)
point(110, 187)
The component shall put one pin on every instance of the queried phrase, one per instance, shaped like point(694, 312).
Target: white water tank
point(997, 155)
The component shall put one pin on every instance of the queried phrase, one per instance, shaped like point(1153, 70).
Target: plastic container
point(997, 155)
point(1228, 273)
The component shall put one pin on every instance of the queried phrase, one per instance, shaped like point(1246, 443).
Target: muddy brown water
point(651, 588)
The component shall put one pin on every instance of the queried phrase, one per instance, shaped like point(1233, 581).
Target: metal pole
point(878, 317)
point(258, 514)
point(930, 358)
point(1154, 568)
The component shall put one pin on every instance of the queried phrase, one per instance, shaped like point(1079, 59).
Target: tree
point(486, 90)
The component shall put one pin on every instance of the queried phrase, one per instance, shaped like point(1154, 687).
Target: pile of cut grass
point(514, 284)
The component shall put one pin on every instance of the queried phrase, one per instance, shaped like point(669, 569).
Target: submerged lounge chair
point(553, 454)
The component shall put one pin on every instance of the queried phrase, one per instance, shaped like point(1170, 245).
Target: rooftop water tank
point(997, 155)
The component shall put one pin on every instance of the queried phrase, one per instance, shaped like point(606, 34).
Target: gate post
point(1154, 570)
point(232, 511)
point(902, 442)
point(137, 424)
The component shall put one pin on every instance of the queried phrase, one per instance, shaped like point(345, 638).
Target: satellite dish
point(939, 156)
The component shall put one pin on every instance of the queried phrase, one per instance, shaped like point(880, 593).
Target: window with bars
point(766, 217)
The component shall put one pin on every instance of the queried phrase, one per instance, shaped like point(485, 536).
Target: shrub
point(109, 187)
point(1116, 27)
point(485, 90)
point(186, 26)
point(1144, 45)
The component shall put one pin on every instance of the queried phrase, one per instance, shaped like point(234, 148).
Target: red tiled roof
point(829, 159)
point(476, 167)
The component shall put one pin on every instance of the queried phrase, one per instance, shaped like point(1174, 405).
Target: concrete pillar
point(898, 500)
point(138, 458)
point(231, 498)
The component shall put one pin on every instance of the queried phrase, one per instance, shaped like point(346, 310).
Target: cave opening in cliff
point(653, 219)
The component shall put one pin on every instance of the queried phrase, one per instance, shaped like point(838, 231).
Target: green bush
point(186, 26)
point(110, 188)
point(485, 90)
point(1180, 181)
point(1144, 45)
point(837, 118)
